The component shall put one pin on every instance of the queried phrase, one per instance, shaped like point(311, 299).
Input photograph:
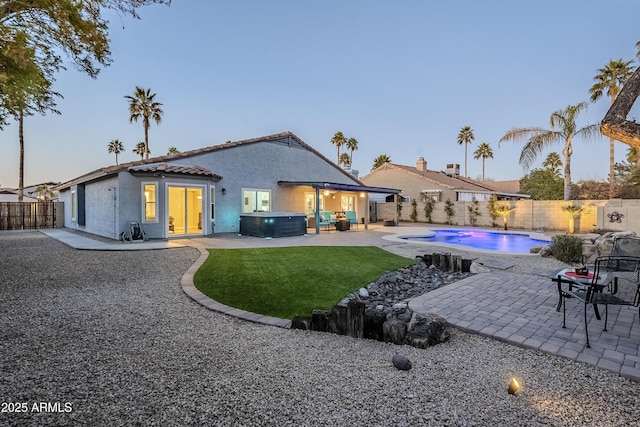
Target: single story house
point(206, 191)
point(439, 185)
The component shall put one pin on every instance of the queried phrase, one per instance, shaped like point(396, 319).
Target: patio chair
point(608, 273)
point(351, 217)
point(324, 219)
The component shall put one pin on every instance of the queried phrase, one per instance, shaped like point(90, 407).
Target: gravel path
point(111, 338)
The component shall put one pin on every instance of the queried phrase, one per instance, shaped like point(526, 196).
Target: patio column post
point(317, 212)
point(395, 205)
point(366, 211)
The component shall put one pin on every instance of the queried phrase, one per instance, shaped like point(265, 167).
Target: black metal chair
point(618, 270)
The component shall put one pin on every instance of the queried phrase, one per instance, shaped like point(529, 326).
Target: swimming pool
point(480, 239)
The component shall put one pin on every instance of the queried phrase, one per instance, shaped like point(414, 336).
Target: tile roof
point(284, 138)
point(177, 169)
point(441, 178)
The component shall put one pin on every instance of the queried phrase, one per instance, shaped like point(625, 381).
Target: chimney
point(421, 164)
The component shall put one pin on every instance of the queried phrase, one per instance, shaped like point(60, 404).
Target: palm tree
point(484, 151)
point(115, 146)
point(140, 150)
point(611, 78)
point(173, 150)
point(143, 105)
point(338, 140)
point(552, 162)
point(638, 50)
point(465, 137)
point(352, 144)
point(632, 155)
point(44, 192)
point(380, 160)
point(540, 138)
point(345, 160)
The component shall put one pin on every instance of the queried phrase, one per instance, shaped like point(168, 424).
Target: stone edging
point(189, 288)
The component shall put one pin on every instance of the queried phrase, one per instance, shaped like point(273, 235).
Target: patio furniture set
point(339, 220)
point(612, 280)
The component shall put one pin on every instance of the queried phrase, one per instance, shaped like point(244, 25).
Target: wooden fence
point(27, 215)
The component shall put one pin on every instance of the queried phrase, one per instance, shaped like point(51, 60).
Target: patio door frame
point(203, 210)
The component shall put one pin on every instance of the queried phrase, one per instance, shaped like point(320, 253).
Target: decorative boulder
point(300, 322)
point(394, 330)
point(427, 330)
point(477, 267)
point(401, 362)
point(545, 251)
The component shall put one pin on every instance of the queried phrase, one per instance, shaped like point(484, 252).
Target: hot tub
point(273, 224)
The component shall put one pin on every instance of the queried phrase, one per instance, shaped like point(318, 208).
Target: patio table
point(568, 276)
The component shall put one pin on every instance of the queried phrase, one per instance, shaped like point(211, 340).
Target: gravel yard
point(109, 338)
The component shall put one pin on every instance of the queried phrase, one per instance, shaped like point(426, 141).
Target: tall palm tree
point(632, 155)
point(115, 146)
point(380, 160)
point(611, 78)
point(539, 138)
point(465, 137)
point(352, 144)
point(552, 162)
point(338, 140)
point(484, 151)
point(143, 105)
point(140, 150)
point(638, 50)
point(345, 160)
point(172, 150)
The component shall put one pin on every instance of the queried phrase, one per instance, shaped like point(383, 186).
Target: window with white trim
point(74, 205)
point(256, 201)
point(150, 201)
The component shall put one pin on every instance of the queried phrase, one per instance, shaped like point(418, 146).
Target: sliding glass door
point(185, 207)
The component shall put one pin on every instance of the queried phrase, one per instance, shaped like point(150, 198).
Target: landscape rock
point(401, 362)
point(477, 267)
point(394, 330)
point(427, 330)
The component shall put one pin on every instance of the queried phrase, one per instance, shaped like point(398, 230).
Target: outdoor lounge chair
point(351, 217)
point(325, 219)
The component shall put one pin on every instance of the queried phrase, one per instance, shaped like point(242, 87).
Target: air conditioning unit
point(453, 169)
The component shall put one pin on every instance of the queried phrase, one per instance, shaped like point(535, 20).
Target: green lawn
point(292, 281)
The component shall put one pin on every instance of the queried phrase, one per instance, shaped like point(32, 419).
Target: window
point(74, 205)
point(310, 203)
point(213, 203)
point(256, 201)
point(149, 200)
point(348, 203)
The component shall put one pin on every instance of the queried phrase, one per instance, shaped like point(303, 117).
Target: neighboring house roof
point(9, 195)
point(283, 138)
point(454, 182)
point(510, 186)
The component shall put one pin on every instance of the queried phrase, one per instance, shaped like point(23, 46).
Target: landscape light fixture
point(514, 386)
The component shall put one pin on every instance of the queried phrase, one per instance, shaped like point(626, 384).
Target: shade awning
point(322, 185)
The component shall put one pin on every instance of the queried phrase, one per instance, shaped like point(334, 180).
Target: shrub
point(449, 210)
point(414, 210)
point(474, 212)
point(567, 248)
point(428, 206)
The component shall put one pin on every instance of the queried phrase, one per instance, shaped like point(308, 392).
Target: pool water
point(481, 239)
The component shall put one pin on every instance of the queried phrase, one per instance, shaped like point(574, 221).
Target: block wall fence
point(615, 214)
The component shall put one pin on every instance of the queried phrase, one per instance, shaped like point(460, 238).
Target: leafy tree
point(352, 144)
point(25, 89)
point(429, 203)
point(115, 146)
point(492, 206)
point(140, 150)
point(632, 155)
point(553, 162)
point(610, 79)
point(542, 184)
point(474, 211)
point(380, 160)
point(76, 29)
point(540, 138)
point(484, 152)
point(173, 150)
point(449, 210)
point(338, 140)
point(630, 188)
point(573, 212)
point(344, 160)
point(465, 137)
point(591, 190)
point(143, 105)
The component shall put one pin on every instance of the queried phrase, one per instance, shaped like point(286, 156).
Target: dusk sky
point(402, 77)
